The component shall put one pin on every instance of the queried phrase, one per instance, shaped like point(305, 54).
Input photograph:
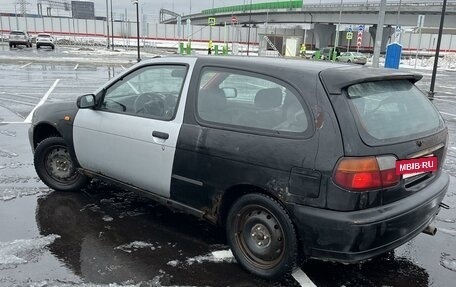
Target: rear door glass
point(389, 111)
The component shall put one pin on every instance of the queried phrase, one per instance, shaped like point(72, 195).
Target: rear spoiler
point(336, 79)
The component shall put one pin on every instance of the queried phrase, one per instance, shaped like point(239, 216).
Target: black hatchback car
point(293, 158)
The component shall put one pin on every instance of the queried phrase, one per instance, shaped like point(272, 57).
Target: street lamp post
point(107, 22)
point(333, 55)
point(112, 28)
point(135, 2)
point(250, 24)
point(437, 50)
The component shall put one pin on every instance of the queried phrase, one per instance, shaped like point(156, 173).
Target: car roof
point(335, 76)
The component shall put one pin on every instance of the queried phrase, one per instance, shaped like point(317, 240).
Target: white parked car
point(17, 38)
point(44, 39)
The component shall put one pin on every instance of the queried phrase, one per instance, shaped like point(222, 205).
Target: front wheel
point(54, 166)
point(262, 236)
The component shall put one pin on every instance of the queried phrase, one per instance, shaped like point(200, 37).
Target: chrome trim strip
point(186, 179)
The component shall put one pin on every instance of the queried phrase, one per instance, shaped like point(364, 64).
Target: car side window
point(249, 100)
point(151, 91)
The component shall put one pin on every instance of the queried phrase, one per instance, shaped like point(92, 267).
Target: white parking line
point(76, 67)
point(302, 278)
point(23, 66)
point(123, 67)
point(43, 99)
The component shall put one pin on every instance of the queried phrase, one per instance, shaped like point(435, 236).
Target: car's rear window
point(390, 110)
point(17, 33)
point(44, 36)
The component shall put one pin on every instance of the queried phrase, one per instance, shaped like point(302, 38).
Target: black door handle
point(161, 135)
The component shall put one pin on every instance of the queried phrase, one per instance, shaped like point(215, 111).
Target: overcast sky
point(152, 7)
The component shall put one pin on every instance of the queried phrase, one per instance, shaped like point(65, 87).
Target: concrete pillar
point(387, 32)
point(323, 34)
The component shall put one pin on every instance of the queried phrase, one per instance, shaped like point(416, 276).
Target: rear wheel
point(348, 61)
point(37, 47)
point(262, 236)
point(54, 166)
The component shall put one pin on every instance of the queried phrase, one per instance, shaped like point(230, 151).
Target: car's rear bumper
point(18, 42)
point(359, 235)
point(45, 44)
point(360, 61)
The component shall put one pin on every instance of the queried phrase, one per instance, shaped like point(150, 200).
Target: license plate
point(411, 167)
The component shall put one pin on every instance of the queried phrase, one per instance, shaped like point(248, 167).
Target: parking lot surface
point(104, 235)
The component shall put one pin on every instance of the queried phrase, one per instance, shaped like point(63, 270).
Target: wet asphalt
point(105, 235)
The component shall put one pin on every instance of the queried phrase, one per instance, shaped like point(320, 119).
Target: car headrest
point(268, 98)
point(211, 100)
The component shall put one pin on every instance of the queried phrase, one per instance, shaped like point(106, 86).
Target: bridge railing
point(377, 4)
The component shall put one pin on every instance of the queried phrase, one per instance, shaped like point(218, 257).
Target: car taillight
point(366, 173)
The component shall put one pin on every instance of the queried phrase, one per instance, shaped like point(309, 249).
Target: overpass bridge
point(364, 13)
point(323, 17)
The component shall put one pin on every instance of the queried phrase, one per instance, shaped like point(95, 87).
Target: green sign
point(349, 35)
point(211, 21)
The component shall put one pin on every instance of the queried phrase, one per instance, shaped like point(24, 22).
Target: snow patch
point(451, 232)
point(46, 283)
point(8, 154)
point(215, 257)
point(135, 245)
point(21, 251)
point(8, 133)
point(107, 218)
point(7, 194)
point(448, 262)
point(173, 263)
point(130, 214)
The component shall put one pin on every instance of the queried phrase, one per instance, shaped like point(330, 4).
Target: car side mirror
point(86, 101)
point(230, 93)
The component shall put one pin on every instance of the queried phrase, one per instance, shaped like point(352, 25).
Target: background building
point(83, 9)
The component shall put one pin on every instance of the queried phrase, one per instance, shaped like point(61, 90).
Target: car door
point(132, 132)
point(246, 128)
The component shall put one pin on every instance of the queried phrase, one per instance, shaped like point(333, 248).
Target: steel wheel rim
point(260, 236)
point(59, 166)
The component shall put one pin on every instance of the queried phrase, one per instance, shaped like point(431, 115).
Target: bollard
point(189, 49)
point(216, 50)
point(181, 48)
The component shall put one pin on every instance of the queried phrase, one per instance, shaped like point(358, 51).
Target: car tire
point(37, 47)
point(54, 166)
point(11, 46)
point(348, 61)
point(52, 47)
point(262, 236)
